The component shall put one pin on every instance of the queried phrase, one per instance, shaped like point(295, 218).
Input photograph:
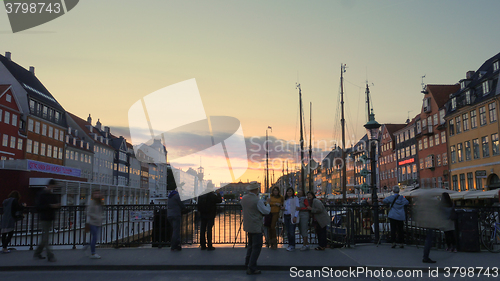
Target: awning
point(430, 192)
point(39, 182)
point(483, 195)
point(461, 195)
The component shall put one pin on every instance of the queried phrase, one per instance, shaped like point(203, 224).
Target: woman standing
point(11, 209)
point(276, 202)
point(320, 218)
point(291, 215)
point(449, 225)
point(94, 218)
point(303, 219)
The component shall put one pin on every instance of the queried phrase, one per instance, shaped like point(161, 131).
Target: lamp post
point(372, 131)
point(267, 160)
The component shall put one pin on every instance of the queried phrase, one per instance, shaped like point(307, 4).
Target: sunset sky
point(247, 56)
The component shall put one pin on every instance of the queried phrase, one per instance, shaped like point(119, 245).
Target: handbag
point(87, 227)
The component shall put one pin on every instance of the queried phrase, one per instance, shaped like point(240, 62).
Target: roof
point(391, 128)
point(31, 84)
point(83, 125)
point(441, 93)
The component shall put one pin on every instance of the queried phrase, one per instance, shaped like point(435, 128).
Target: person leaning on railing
point(396, 216)
point(320, 219)
point(13, 211)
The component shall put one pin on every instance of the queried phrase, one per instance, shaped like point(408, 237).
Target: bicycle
point(490, 236)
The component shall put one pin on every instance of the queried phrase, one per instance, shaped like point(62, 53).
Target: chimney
point(8, 56)
point(469, 74)
point(32, 70)
point(106, 129)
point(98, 125)
point(89, 120)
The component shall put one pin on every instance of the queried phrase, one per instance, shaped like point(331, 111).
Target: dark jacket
point(174, 205)
point(44, 199)
point(10, 207)
point(207, 205)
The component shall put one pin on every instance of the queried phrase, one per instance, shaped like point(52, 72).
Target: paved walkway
point(227, 258)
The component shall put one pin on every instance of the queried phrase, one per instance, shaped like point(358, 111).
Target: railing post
point(32, 228)
point(74, 227)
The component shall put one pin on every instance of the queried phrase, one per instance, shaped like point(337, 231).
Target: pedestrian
point(207, 206)
point(303, 219)
point(396, 216)
point(253, 210)
point(428, 214)
point(291, 216)
point(47, 204)
point(449, 224)
point(94, 219)
point(276, 202)
point(12, 212)
point(175, 209)
point(320, 219)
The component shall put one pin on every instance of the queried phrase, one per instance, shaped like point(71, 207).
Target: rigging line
point(352, 83)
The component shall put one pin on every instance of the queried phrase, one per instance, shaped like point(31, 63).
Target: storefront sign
point(407, 161)
point(481, 174)
point(54, 169)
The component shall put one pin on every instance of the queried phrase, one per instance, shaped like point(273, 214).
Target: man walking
point(207, 206)
point(47, 205)
point(253, 210)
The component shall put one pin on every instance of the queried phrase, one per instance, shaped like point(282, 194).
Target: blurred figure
point(12, 212)
point(320, 219)
point(253, 210)
point(174, 216)
point(303, 219)
point(276, 202)
point(291, 216)
point(397, 216)
point(207, 206)
point(94, 218)
point(449, 226)
point(47, 204)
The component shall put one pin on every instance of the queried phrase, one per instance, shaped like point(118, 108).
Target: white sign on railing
point(136, 216)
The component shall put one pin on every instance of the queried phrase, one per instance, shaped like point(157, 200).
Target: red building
point(388, 161)
point(431, 136)
point(11, 137)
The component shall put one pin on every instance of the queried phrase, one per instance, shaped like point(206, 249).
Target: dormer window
point(486, 88)
point(496, 66)
point(467, 97)
point(453, 103)
point(462, 85)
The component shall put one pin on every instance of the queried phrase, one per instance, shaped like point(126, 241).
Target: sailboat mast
point(342, 122)
point(310, 149)
point(302, 174)
point(367, 102)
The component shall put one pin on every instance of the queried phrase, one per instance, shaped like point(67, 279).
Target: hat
point(253, 185)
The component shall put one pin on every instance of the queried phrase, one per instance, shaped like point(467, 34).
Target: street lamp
point(267, 160)
point(372, 131)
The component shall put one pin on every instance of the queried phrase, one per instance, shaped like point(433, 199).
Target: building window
point(453, 154)
point(431, 141)
point(462, 182)
point(49, 150)
point(7, 117)
point(407, 151)
point(35, 147)
point(37, 127)
point(479, 183)
point(465, 118)
point(436, 139)
point(32, 106)
point(424, 124)
point(45, 110)
point(30, 125)
point(12, 142)
point(470, 181)
point(57, 117)
point(29, 144)
point(443, 137)
point(421, 163)
point(425, 143)
point(435, 119)
point(412, 133)
point(67, 154)
point(413, 149)
point(467, 97)
point(44, 130)
point(458, 124)
point(495, 66)
point(61, 136)
point(460, 152)
point(482, 115)
point(429, 123)
point(494, 144)
point(429, 161)
point(445, 159)
point(60, 153)
point(455, 182)
point(451, 127)
point(51, 132)
point(76, 156)
point(419, 127)
point(42, 149)
point(71, 155)
point(491, 109)
point(467, 150)
point(438, 160)
point(475, 148)
point(486, 88)
point(419, 144)
point(56, 134)
point(486, 147)
point(453, 104)
point(20, 144)
point(14, 120)
point(5, 141)
point(473, 119)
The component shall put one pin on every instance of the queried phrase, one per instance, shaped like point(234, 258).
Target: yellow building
point(473, 130)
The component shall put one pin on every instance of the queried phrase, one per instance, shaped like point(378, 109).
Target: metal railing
point(135, 225)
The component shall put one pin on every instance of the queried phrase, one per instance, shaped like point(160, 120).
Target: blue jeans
point(291, 230)
point(94, 233)
point(428, 243)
